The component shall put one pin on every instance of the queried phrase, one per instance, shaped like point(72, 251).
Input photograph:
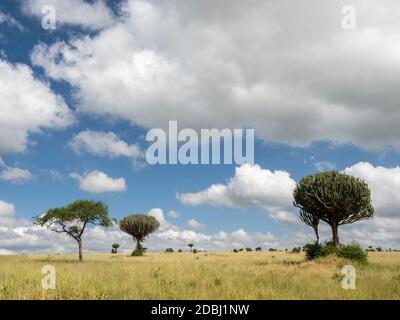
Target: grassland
point(265, 275)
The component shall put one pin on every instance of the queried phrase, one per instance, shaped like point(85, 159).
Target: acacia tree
point(74, 218)
point(139, 226)
point(190, 245)
point(333, 197)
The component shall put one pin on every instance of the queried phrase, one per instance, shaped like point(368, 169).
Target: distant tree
point(241, 249)
point(115, 247)
point(195, 250)
point(296, 250)
point(249, 249)
point(180, 250)
point(379, 249)
point(258, 249)
point(190, 245)
point(335, 198)
point(139, 226)
point(169, 250)
point(74, 218)
point(235, 250)
point(272, 249)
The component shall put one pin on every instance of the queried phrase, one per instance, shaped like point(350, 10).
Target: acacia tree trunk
point(335, 234)
point(80, 251)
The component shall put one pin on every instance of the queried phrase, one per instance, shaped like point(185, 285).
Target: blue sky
point(308, 115)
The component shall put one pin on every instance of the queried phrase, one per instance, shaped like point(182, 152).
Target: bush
point(296, 250)
point(272, 249)
point(169, 250)
point(258, 249)
point(329, 248)
point(249, 249)
point(313, 251)
point(235, 250)
point(180, 250)
point(353, 252)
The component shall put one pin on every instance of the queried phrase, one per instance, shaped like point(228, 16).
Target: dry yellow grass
point(269, 275)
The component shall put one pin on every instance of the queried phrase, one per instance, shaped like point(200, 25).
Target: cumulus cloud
point(173, 214)
point(7, 213)
point(99, 182)
point(27, 106)
point(384, 184)
point(325, 166)
point(229, 65)
point(194, 224)
point(103, 144)
point(16, 175)
point(251, 186)
point(93, 15)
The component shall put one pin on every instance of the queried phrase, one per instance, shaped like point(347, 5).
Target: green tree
point(139, 226)
point(115, 247)
point(335, 198)
point(74, 218)
point(190, 245)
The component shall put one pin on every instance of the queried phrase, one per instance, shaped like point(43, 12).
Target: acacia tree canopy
point(74, 218)
point(333, 197)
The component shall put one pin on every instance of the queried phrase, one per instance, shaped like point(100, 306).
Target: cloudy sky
point(77, 101)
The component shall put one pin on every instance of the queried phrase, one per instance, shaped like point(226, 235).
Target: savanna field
point(245, 275)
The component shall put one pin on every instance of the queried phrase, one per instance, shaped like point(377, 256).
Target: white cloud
point(283, 216)
point(173, 214)
point(2, 163)
point(16, 175)
point(384, 184)
point(159, 215)
point(27, 106)
point(95, 15)
point(194, 224)
point(325, 166)
point(99, 182)
point(251, 186)
point(251, 66)
point(103, 144)
point(7, 213)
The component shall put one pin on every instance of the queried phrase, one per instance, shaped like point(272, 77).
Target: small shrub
point(195, 250)
point(180, 250)
point(241, 249)
point(296, 250)
point(235, 250)
point(272, 250)
point(353, 252)
point(137, 252)
point(329, 248)
point(258, 249)
point(249, 249)
point(313, 251)
point(169, 250)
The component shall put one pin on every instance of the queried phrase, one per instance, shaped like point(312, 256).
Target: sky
point(77, 100)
